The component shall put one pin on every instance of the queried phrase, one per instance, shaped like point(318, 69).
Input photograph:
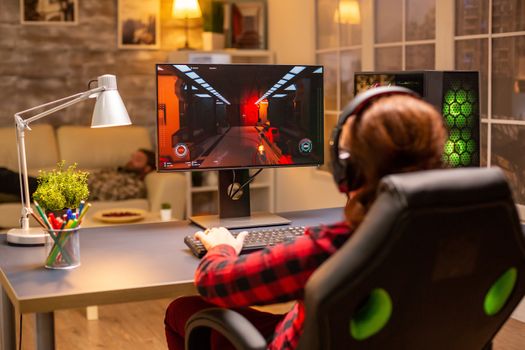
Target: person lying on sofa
point(119, 183)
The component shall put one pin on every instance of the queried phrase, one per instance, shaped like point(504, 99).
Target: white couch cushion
point(41, 147)
point(100, 148)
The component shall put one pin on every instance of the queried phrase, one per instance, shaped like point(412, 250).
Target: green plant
point(165, 206)
point(61, 188)
point(212, 16)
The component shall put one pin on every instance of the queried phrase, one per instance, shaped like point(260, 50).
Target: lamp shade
point(109, 108)
point(348, 12)
point(186, 9)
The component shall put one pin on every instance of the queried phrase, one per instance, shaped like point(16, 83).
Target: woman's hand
point(220, 235)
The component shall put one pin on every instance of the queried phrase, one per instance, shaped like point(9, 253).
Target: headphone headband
point(346, 176)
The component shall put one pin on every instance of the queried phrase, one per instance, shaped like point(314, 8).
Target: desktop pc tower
point(454, 93)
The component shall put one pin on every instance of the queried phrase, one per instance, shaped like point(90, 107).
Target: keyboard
point(255, 240)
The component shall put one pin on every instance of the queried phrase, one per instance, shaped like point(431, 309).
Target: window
point(490, 37)
point(404, 39)
point(338, 49)
point(405, 33)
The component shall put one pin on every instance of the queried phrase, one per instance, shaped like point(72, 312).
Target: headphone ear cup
point(345, 172)
point(354, 178)
point(338, 166)
point(346, 175)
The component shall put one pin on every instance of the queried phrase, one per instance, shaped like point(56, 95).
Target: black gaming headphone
point(346, 174)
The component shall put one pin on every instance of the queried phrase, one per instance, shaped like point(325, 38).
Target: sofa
point(91, 149)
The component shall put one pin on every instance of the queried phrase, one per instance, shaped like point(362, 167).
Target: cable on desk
point(250, 179)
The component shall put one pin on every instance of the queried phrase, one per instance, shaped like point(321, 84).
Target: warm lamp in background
point(348, 12)
point(186, 9)
point(109, 111)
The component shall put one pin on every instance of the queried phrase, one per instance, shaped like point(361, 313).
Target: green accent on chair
point(372, 316)
point(500, 292)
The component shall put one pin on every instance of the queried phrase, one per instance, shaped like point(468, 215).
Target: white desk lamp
point(109, 111)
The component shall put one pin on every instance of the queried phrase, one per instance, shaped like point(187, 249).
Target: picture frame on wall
point(138, 24)
point(49, 12)
point(247, 20)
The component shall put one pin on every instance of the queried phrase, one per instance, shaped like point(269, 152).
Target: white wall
point(291, 36)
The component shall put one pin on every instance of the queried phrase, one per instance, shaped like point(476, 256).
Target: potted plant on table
point(165, 211)
point(213, 24)
point(61, 188)
point(60, 192)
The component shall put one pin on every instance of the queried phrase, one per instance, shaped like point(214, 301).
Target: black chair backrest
point(438, 263)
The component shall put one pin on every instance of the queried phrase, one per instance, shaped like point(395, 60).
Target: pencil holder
point(62, 249)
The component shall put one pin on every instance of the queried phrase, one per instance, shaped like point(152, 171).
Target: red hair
point(396, 134)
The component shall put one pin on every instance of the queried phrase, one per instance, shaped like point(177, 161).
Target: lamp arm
point(21, 126)
point(73, 100)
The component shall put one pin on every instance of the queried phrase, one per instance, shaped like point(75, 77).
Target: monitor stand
point(234, 210)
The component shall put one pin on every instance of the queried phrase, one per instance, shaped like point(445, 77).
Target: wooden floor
point(140, 326)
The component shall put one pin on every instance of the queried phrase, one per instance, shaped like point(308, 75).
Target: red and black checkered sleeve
point(275, 274)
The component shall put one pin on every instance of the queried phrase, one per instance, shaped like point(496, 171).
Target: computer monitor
point(236, 117)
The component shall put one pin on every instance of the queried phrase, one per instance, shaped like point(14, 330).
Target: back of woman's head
point(396, 134)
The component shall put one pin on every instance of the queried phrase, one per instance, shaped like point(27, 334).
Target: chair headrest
point(459, 186)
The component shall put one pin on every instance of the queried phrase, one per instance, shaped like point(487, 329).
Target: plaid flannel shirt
point(272, 275)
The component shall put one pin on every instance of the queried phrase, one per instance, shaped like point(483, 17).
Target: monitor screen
point(228, 116)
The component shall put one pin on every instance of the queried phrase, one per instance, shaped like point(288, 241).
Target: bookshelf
point(203, 196)
point(222, 56)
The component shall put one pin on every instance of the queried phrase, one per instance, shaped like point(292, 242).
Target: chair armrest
point(167, 188)
point(232, 325)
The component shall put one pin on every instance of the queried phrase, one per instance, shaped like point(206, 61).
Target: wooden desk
point(119, 264)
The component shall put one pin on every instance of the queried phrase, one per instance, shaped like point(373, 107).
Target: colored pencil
point(86, 208)
point(37, 219)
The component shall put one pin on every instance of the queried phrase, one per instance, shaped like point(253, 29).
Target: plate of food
point(120, 215)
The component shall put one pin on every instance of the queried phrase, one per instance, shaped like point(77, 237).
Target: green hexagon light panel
point(460, 107)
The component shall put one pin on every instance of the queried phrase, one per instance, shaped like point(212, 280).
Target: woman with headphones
point(383, 131)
